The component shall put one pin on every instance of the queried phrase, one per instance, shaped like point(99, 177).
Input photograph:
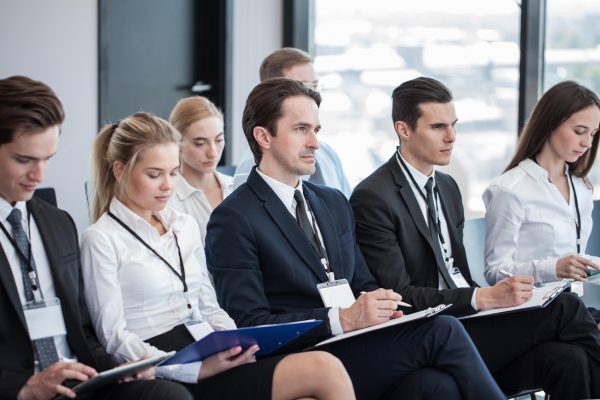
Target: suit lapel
point(408, 196)
point(328, 232)
point(286, 224)
point(64, 284)
point(8, 281)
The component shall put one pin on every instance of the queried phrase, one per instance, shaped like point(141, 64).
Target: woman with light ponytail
point(146, 280)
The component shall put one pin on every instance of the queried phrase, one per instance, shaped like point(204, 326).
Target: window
point(363, 50)
point(573, 51)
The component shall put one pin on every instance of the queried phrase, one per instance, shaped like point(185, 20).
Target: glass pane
point(364, 49)
point(573, 50)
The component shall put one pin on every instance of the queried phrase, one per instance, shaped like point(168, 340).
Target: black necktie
point(303, 221)
point(317, 177)
point(44, 348)
point(433, 232)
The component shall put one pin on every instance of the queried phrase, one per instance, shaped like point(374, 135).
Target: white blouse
point(132, 295)
point(530, 225)
point(193, 201)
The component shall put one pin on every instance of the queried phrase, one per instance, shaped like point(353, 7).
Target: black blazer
point(59, 237)
point(264, 268)
point(394, 239)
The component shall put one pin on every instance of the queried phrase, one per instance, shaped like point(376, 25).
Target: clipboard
point(429, 312)
point(542, 296)
point(268, 337)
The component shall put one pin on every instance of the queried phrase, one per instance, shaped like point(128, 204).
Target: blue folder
point(268, 337)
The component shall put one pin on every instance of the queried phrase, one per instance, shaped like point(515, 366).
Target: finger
point(397, 314)
point(386, 305)
point(232, 352)
point(65, 391)
point(72, 374)
point(526, 279)
point(386, 294)
point(84, 369)
point(246, 356)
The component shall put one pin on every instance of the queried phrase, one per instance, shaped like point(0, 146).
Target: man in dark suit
point(409, 225)
point(271, 242)
point(40, 268)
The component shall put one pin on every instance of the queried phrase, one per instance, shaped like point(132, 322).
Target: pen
point(506, 274)
point(400, 303)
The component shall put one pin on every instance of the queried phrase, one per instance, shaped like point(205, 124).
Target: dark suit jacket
point(264, 268)
point(393, 236)
point(60, 241)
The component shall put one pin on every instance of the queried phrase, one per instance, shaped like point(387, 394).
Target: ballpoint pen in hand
point(400, 303)
point(506, 274)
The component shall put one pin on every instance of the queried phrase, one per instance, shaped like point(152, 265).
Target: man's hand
point(574, 267)
point(508, 292)
point(145, 374)
point(225, 360)
point(370, 309)
point(48, 383)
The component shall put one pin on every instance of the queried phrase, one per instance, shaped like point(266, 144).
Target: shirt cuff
point(334, 321)
point(545, 271)
point(474, 300)
point(187, 373)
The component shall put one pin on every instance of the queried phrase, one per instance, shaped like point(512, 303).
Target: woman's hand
point(225, 360)
point(574, 267)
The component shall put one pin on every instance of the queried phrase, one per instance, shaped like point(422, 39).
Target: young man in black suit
point(39, 267)
point(276, 238)
point(409, 225)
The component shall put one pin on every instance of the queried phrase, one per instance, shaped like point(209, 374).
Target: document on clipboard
point(268, 337)
point(542, 296)
point(431, 311)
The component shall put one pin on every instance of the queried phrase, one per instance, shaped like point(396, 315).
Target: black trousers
point(157, 389)
point(429, 359)
point(556, 348)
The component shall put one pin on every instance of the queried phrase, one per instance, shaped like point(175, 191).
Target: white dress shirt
point(42, 266)
point(529, 223)
point(193, 201)
point(132, 295)
point(286, 195)
point(421, 180)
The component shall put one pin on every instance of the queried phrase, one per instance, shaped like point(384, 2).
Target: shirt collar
point(183, 189)
point(536, 171)
point(420, 178)
point(167, 216)
point(283, 191)
point(6, 209)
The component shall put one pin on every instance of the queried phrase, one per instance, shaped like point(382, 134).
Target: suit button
point(28, 363)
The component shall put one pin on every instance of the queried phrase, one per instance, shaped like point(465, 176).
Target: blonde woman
point(200, 187)
point(146, 280)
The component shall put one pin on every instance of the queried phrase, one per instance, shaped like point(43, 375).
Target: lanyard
point(31, 272)
point(434, 214)
point(578, 221)
point(178, 275)
point(320, 250)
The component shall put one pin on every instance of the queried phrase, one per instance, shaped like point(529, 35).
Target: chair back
point(593, 245)
point(474, 240)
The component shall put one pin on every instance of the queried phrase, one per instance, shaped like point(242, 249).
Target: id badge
point(336, 293)
point(458, 278)
point(198, 329)
point(44, 319)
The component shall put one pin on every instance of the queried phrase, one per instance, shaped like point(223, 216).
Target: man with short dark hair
point(47, 337)
point(409, 225)
point(277, 246)
point(297, 64)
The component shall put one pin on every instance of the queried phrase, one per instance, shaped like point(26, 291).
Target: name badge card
point(336, 293)
point(44, 319)
point(458, 278)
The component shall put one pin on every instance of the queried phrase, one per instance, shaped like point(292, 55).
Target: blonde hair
point(124, 141)
point(192, 109)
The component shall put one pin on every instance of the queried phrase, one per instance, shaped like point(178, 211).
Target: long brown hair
point(124, 141)
point(555, 107)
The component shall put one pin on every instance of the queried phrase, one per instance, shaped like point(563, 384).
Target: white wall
point(258, 31)
point(56, 42)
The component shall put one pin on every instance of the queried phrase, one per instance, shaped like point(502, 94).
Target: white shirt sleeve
point(105, 303)
point(208, 304)
point(334, 321)
point(504, 217)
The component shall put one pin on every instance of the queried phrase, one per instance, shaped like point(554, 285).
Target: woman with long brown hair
point(539, 211)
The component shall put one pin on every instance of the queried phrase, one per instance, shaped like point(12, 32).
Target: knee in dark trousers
point(426, 383)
